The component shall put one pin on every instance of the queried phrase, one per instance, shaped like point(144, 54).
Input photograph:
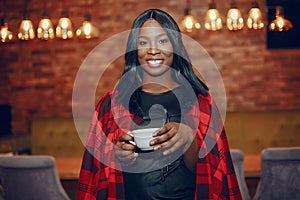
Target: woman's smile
point(155, 62)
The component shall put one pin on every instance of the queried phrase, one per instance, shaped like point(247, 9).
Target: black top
point(172, 181)
point(159, 108)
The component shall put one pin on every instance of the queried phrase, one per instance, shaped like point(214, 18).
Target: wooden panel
point(57, 137)
point(251, 132)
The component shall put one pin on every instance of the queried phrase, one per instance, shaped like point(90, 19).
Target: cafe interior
point(253, 48)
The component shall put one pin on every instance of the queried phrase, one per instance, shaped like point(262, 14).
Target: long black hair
point(181, 62)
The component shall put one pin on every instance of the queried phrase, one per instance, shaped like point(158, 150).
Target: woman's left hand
point(173, 136)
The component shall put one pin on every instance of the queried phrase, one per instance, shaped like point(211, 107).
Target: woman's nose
point(153, 50)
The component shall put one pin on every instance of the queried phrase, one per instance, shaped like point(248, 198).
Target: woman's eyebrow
point(141, 36)
point(159, 35)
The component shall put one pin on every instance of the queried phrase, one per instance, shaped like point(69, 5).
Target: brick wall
point(36, 77)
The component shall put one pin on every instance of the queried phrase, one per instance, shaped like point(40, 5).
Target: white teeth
point(155, 62)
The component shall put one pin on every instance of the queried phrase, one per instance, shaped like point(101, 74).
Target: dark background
point(284, 39)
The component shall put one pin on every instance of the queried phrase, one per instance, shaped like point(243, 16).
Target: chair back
point(238, 164)
point(30, 178)
point(280, 174)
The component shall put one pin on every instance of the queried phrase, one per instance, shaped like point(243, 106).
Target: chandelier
point(234, 19)
point(46, 30)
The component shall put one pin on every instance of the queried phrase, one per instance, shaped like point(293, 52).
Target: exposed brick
point(37, 77)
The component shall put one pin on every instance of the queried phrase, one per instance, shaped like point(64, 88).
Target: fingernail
point(156, 132)
point(156, 148)
point(130, 133)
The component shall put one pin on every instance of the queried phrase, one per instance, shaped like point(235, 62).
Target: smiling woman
point(158, 89)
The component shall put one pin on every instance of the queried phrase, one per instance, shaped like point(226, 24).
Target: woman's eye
point(163, 41)
point(142, 43)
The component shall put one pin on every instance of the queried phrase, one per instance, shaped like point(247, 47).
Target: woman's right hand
point(125, 149)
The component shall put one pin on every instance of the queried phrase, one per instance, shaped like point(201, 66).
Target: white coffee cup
point(142, 138)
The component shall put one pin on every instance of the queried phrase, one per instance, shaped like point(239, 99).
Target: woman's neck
point(158, 87)
point(158, 84)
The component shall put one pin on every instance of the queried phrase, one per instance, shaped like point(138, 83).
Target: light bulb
point(213, 20)
point(45, 29)
point(234, 18)
point(26, 31)
point(64, 29)
point(5, 34)
point(280, 23)
point(255, 20)
point(189, 23)
point(87, 30)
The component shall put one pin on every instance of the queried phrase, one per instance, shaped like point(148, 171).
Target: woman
point(158, 89)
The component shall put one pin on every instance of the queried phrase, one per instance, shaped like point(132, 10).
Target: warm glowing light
point(280, 23)
point(26, 31)
point(64, 28)
point(255, 19)
point(213, 20)
point(189, 23)
point(87, 30)
point(45, 30)
point(5, 34)
point(234, 19)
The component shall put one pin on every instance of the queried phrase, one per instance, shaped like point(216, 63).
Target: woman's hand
point(125, 149)
point(173, 136)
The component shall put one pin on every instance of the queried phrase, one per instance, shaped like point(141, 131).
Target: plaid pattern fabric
point(101, 176)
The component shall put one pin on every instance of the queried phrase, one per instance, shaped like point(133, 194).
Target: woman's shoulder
point(108, 95)
point(105, 100)
point(206, 97)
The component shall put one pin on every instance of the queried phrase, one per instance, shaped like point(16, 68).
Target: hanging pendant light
point(64, 29)
point(87, 30)
point(280, 23)
point(234, 18)
point(189, 23)
point(213, 21)
point(5, 34)
point(255, 19)
point(26, 31)
point(45, 29)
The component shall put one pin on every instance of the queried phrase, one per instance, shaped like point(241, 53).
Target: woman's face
point(155, 50)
